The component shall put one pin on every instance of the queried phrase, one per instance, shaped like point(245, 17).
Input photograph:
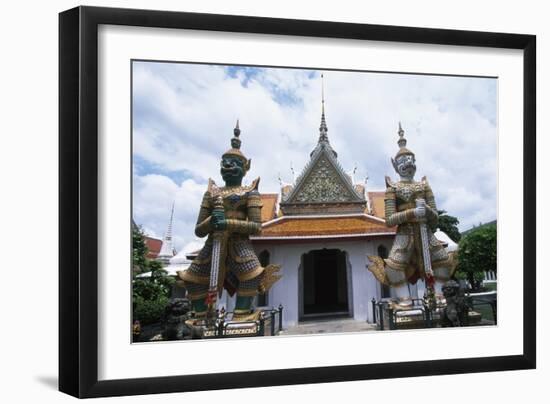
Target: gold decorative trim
point(246, 316)
point(241, 311)
point(377, 268)
point(270, 276)
point(198, 261)
point(238, 259)
point(396, 266)
point(188, 276)
point(215, 190)
point(251, 274)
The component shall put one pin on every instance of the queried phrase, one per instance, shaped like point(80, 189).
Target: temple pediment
point(323, 187)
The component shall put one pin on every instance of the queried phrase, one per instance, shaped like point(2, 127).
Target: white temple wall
point(362, 283)
point(285, 291)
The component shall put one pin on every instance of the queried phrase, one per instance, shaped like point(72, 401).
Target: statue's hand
point(220, 225)
point(217, 220)
point(420, 210)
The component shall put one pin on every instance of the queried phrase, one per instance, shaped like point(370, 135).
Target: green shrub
point(150, 294)
point(149, 311)
point(477, 254)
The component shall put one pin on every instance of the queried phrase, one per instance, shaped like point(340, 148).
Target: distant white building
point(167, 249)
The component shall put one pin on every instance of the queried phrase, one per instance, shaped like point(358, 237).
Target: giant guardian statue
point(228, 216)
point(416, 253)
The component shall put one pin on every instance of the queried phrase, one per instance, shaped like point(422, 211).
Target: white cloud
point(153, 198)
point(184, 117)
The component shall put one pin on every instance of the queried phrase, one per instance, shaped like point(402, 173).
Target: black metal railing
point(385, 314)
point(269, 323)
point(483, 300)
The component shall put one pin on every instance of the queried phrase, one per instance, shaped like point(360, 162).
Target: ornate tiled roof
point(153, 246)
point(269, 206)
point(376, 201)
point(335, 226)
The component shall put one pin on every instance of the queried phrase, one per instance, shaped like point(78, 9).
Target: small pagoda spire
point(167, 248)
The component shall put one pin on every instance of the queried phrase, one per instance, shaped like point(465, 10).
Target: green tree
point(477, 253)
point(449, 225)
point(150, 294)
point(139, 250)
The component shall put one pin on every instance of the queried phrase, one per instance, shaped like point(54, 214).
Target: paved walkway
point(329, 326)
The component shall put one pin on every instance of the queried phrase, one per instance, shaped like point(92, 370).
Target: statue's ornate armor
point(416, 253)
point(240, 269)
point(406, 252)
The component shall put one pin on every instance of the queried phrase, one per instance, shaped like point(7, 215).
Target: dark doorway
point(383, 253)
point(325, 284)
point(261, 300)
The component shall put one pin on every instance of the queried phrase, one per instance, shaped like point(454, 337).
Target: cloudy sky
point(184, 115)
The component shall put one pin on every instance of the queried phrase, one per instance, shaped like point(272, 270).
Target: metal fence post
point(373, 302)
point(429, 317)
point(261, 325)
point(280, 317)
point(272, 321)
point(381, 315)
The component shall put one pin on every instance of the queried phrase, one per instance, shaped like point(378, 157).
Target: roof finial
point(323, 92)
point(323, 137)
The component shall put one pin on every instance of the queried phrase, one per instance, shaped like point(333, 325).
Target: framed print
point(250, 201)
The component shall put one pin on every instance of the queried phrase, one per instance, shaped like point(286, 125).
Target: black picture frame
point(78, 200)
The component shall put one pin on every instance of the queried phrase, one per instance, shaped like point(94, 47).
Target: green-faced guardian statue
point(228, 216)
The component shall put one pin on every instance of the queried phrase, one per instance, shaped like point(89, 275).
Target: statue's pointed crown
point(236, 146)
point(402, 143)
